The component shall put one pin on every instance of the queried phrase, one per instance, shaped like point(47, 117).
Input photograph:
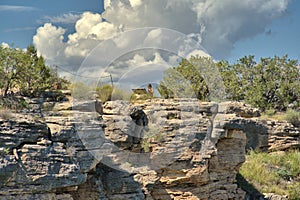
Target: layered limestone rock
point(262, 134)
point(32, 163)
point(171, 161)
point(157, 149)
point(282, 136)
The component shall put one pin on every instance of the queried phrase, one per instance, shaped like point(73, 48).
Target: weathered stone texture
point(282, 136)
point(158, 149)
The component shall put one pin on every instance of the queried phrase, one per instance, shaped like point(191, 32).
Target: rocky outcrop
point(177, 166)
point(242, 110)
point(158, 149)
point(33, 163)
point(282, 136)
point(263, 135)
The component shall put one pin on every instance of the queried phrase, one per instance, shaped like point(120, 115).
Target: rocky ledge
point(157, 149)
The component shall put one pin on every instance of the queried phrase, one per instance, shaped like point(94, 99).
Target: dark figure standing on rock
point(150, 90)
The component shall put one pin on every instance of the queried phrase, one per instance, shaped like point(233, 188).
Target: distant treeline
point(271, 83)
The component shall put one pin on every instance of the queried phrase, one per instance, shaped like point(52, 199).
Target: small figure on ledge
point(150, 90)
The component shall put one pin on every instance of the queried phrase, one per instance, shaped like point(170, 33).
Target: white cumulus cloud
point(49, 41)
point(214, 24)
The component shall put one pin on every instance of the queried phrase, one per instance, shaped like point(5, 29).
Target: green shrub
point(270, 112)
point(104, 92)
point(81, 91)
point(108, 93)
point(146, 145)
point(119, 94)
point(293, 117)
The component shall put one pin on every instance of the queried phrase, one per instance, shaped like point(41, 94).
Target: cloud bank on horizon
point(216, 25)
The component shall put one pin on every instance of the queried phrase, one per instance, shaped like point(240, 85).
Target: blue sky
point(281, 37)
point(20, 20)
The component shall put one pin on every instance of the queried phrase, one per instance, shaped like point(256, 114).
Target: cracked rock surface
point(180, 153)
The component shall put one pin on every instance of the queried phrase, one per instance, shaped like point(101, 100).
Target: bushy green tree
point(237, 78)
point(25, 72)
point(34, 75)
point(278, 80)
point(270, 83)
point(9, 68)
point(186, 80)
point(233, 83)
point(174, 85)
